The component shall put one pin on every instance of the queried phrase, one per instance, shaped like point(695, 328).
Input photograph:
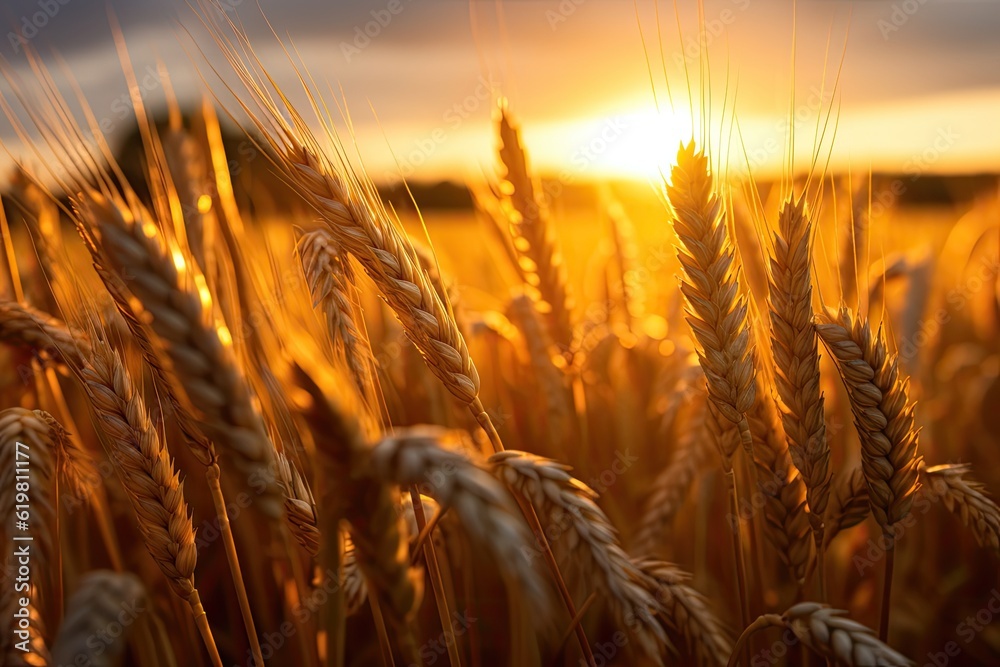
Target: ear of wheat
point(182, 318)
point(331, 282)
point(102, 598)
point(786, 519)
point(148, 476)
point(41, 333)
point(27, 457)
point(850, 505)
point(687, 612)
point(424, 458)
point(300, 506)
point(716, 310)
point(25, 435)
point(368, 503)
point(966, 498)
point(882, 413)
point(831, 634)
point(551, 380)
point(796, 358)
point(534, 241)
point(583, 540)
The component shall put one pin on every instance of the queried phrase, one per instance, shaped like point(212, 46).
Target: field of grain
point(258, 415)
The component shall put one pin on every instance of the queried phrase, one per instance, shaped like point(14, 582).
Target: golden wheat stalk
point(883, 416)
point(102, 600)
point(173, 293)
point(882, 413)
point(830, 634)
point(716, 310)
point(796, 358)
point(41, 333)
point(534, 240)
point(147, 473)
point(331, 282)
point(967, 499)
point(686, 611)
point(585, 542)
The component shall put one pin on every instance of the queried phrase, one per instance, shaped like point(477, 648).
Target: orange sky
point(916, 92)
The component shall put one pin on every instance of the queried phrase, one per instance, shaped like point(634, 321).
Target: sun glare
point(636, 145)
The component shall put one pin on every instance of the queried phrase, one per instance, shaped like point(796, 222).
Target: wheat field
point(270, 416)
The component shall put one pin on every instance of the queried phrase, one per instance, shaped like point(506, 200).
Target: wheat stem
point(213, 474)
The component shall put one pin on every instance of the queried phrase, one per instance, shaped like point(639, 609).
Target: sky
point(919, 87)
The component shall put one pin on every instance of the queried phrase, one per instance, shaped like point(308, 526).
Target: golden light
point(203, 292)
point(645, 145)
point(225, 337)
point(179, 262)
point(637, 143)
point(204, 204)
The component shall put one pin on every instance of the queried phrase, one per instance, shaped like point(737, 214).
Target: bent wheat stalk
point(829, 633)
point(966, 499)
point(588, 544)
point(40, 332)
point(883, 416)
point(426, 457)
point(331, 282)
point(850, 505)
point(686, 611)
